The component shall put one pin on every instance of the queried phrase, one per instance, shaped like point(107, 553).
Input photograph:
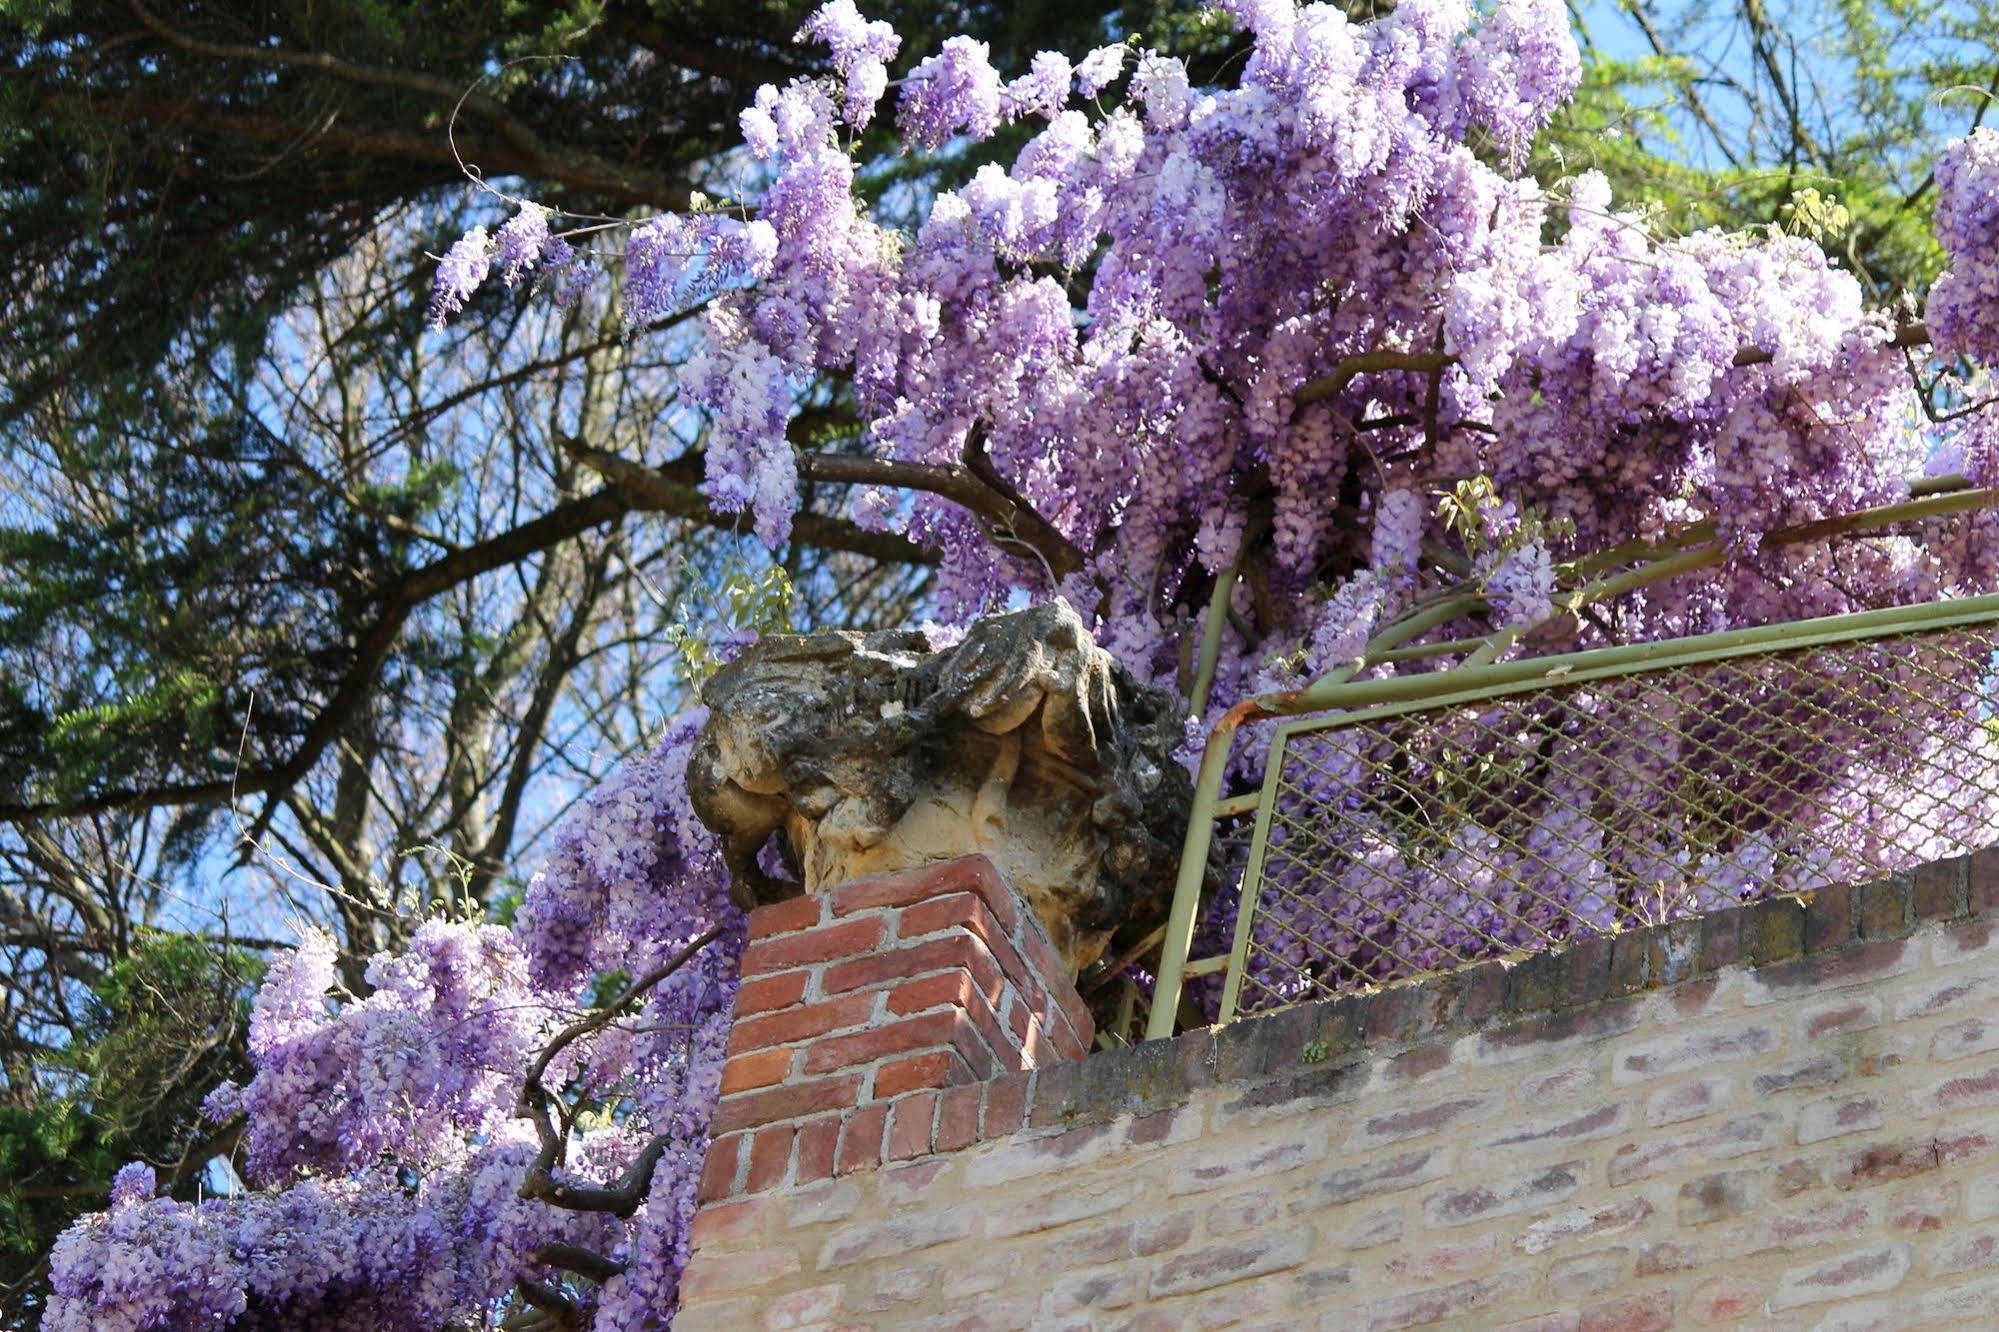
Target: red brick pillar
point(867, 1018)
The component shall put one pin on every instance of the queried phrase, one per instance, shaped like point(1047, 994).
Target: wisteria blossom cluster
point(1262, 328)
point(382, 1130)
point(1198, 328)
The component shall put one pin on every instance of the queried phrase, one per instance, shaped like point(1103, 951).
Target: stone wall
point(1784, 1116)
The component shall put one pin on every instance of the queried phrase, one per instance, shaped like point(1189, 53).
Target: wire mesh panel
point(1412, 838)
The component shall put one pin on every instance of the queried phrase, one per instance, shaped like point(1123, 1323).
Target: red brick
point(953, 988)
point(1633, 1313)
point(1039, 1051)
point(958, 1118)
point(939, 954)
point(1018, 1020)
point(924, 1072)
point(1068, 1040)
point(818, 1143)
point(798, 1024)
point(718, 1171)
point(1041, 964)
point(770, 1158)
point(786, 917)
point(792, 1101)
point(911, 1121)
point(946, 1027)
point(765, 994)
point(906, 887)
point(953, 991)
point(762, 1069)
point(939, 913)
point(1006, 1105)
point(861, 1139)
point(828, 943)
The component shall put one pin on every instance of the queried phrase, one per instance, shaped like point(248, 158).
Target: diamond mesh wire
point(1431, 839)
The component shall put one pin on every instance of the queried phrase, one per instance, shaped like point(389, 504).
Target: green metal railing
point(1416, 823)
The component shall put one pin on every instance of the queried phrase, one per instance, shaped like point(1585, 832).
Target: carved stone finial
point(1026, 743)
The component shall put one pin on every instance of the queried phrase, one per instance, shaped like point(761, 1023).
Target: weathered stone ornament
point(1026, 743)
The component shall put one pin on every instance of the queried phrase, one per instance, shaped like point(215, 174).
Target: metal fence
point(1416, 824)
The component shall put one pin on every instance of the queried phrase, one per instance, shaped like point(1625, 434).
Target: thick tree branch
point(636, 489)
point(633, 22)
point(538, 1107)
point(494, 155)
point(672, 489)
point(575, 1258)
point(997, 505)
point(1376, 362)
point(526, 144)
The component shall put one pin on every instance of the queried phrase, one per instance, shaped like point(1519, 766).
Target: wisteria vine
point(1242, 337)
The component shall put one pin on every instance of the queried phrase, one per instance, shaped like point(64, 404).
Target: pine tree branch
point(526, 144)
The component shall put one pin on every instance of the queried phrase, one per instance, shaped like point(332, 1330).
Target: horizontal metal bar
point(1473, 683)
point(1206, 966)
point(1235, 806)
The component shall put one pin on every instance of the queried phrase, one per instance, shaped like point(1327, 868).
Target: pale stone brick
point(1930, 996)
point(1395, 1125)
point(1916, 1211)
point(1973, 942)
point(1688, 1100)
point(1981, 1197)
point(1444, 1260)
point(1104, 1288)
point(1456, 1207)
point(1383, 1227)
point(1960, 1040)
point(1456, 1301)
point(1966, 1251)
point(727, 1273)
point(1583, 1223)
point(1835, 1116)
point(1218, 1265)
point(1650, 1312)
point(1728, 1299)
point(1837, 1017)
point(1236, 1305)
point(1558, 1086)
point(835, 1200)
point(1239, 1214)
point(1865, 1272)
point(870, 1240)
point(1729, 1138)
point(1701, 1048)
point(1585, 1274)
point(1799, 1230)
point(1719, 1196)
point(1228, 1164)
point(1398, 1172)
point(1559, 1133)
point(1058, 1207)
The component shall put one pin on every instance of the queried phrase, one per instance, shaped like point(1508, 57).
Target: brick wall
point(1785, 1116)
